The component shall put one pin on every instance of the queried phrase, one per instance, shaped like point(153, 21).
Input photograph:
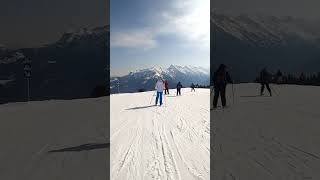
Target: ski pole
point(232, 94)
point(273, 90)
point(152, 97)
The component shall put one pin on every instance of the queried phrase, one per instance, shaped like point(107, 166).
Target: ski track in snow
point(164, 143)
point(267, 138)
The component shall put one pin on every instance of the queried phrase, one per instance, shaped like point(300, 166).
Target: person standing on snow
point(220, 80)
point(166, 85)
point(179, 86)
point(279, 77)
point(265, 78)
point(159, 87)
point(192, 88)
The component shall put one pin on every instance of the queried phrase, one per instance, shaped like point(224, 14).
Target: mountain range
point(69, 68)
point(145, 79)
point(247, 43)
point(78, 62)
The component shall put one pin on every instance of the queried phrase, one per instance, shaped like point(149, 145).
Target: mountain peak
point(265, 30)
point(84, 35)
point(145, 78)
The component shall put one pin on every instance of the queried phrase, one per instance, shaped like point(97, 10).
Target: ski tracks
point(163, 165)
point(163, 143)
point(190, 134)
point(127, 161)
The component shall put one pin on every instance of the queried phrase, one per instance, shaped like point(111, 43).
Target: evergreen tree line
point(298, 79)
point(201, 86)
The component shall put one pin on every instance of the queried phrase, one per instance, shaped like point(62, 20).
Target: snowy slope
point(50, 140)
point(166, 143)
point(268, 138)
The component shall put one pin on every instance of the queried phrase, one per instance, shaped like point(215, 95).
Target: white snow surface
point(170, 142)
point(267, 138)
point(56, 139)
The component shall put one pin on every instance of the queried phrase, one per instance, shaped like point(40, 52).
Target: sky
point(147, 33)
point(308, 9)
point(30, 23)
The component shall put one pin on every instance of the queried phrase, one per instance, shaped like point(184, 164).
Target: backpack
point(221, 76)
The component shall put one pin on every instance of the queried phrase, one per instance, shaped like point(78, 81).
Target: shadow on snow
point(254, 96)
point(83, 147)
point(140, 107)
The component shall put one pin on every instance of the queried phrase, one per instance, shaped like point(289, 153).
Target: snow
point(263, 138)
point(17, 56)
point(169, 142)
point(6, 81)
point(268, 137)
point(31, 135)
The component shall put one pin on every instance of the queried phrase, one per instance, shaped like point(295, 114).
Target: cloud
point(134, 39)
point(188, 20)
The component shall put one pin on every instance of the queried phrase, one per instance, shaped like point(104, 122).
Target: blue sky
point(146, 33)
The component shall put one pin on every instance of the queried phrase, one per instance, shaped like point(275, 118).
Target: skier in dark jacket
point(279, 77)
point(179, 86)
point(265, 78)
point(166, 85)
point(192, 87)
point(220, 80)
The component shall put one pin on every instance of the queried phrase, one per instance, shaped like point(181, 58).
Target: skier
point(279, 77)
point(265, 78)
point(192, 88)
point(220, 80)
point(166, 85)
point(159, 87)
point(179, 86)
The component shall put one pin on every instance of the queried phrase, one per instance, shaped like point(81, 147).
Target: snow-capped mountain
point(78, 60)
point(144, 79)
point(248, 43)
point(265, 30)
point(84, 35)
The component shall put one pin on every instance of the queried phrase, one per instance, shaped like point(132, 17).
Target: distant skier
point(279, 77)
point(179, 86)
point(192, 87)
point(166, 85)
point(265, 78)
point(220, 80)
point(159, 87)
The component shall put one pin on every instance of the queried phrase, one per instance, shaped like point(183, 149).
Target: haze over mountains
point(69, 68)
point(145, 79)
point(247, 43)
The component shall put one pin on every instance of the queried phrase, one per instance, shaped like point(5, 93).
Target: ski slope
point(268, 138)
point(170, 142)
point(54, 140)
